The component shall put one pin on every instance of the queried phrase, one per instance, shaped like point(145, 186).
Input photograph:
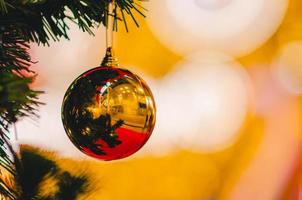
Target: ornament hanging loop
point(109, 59)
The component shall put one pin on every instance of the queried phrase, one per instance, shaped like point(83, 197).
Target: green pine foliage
point(37, 170)
point(39, 21)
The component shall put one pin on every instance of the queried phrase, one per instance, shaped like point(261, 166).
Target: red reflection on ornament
point(131, 140)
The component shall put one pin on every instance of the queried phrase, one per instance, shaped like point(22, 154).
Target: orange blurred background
point(227, 80)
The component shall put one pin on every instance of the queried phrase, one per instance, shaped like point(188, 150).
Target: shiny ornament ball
point(108, 113)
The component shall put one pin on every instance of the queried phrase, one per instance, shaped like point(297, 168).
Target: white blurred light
point(288, 67)
point(235, 27)
point(202, 105)
point(63, 61)
point(212, 4)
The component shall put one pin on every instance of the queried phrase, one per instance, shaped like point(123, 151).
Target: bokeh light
point(212, 4)
point(203, 103)
point(64, 60)
point(235, 27)
point(288, 67)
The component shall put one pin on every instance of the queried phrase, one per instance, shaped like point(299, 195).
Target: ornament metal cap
point(109, 59)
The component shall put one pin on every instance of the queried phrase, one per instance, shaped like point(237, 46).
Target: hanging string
point(109, 59)
point(109, 29)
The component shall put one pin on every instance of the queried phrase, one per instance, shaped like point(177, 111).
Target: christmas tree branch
point(44, 20)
